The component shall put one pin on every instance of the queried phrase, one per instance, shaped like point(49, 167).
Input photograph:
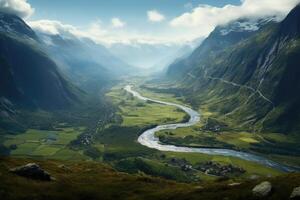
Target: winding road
point(148, 138)
point(254, 91)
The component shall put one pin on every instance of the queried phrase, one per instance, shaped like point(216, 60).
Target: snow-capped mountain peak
point(245, 25)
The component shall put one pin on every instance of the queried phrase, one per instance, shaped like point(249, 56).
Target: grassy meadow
point(45, 144)
point(93, 180)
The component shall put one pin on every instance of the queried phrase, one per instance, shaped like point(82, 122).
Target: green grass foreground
point(91, 180)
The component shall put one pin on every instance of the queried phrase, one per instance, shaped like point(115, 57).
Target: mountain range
point(152, 56)
point(86, 63)
point(49, 73)
point(249, 65)
point(247, 71)
point(69, 120)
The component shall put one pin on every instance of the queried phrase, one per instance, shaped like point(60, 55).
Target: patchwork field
point(44, 144)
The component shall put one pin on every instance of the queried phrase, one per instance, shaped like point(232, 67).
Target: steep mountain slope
point(29, 76)
point(251, 77)
point(88, 64)
point(14, 25)
point(29, 79)
point(221, 38)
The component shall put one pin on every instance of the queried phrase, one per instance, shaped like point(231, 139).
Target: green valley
point(136, 100)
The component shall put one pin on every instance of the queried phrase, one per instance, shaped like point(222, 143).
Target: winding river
point(147, 138)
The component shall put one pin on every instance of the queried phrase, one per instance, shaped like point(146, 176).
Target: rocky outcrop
point(32, 171)
point(296, 193)
point(263, 189)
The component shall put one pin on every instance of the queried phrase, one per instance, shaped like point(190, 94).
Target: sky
point(139, 21)
point(132, 11)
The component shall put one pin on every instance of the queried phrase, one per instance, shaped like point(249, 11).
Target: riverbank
point(149, 139)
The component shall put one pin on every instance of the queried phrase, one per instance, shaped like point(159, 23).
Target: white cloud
point(189, 26)
point(94, 31)
point(99, 34)
point(51, 27)
point(20, 8)
point(155, 16)
point(117, 23)
point(204, 18)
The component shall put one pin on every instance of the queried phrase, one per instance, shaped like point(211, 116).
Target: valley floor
point(219, 131)
point(192, 159)
point(114, 142)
